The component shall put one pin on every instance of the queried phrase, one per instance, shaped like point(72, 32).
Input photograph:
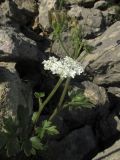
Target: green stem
point(59, 107)
point(48, 99)
point(64, 92)
point(78, 51)
point(61, 42)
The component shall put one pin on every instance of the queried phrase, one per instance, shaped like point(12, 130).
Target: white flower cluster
point(66, 67)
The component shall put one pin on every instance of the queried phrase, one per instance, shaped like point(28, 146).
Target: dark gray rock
point(108, 129)
point(77, 145)
point(13, 92)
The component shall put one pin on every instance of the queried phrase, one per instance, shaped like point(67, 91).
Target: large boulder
point(13, 92)
point(77, 145)
point(14, 43)
point(104, 62)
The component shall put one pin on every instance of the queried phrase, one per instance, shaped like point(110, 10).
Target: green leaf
point(3, 139)
point(52, 130)
point(78, 99)
point(13, 147)
point(46, 128)
point(34, 117)
point(36, 144)
point(27, 147)
point(39, 94)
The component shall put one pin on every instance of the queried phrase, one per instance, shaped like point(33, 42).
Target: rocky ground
point(87, 133)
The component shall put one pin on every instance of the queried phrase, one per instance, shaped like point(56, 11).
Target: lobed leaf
point(36, 144)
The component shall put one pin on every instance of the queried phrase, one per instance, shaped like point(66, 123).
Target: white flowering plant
point(69, 67)
point(66, 68)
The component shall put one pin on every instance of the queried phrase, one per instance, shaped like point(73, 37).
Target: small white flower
point(66, 67)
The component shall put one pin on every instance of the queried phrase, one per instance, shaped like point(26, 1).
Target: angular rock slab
point(16, 44)
point(104, 61)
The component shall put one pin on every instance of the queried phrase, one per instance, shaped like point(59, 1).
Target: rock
point(111, 153)
point(85, 3)
point(16, 44)
point(91, 20)
point(115, 91)
point(92, 24)
point(101, 5)
point(12, 92)
point(71, 2)
point(9, 13)
point(45, 7)
point(75, 12)
point(96, 94)
point(30, 6)
point(111, 15)
point(88, 3)
point(108, 129)
point(80, 116)
point(56, 46)
point(104, 60)
point(75, 146)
